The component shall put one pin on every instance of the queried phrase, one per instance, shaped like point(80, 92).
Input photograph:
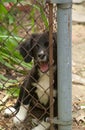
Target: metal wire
point(23, 22)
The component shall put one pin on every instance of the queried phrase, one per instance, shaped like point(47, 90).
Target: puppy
point(35, 91)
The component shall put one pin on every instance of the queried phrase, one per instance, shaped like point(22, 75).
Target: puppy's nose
point(41, 55)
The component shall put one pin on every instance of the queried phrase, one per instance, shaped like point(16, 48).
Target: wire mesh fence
point(28, 65)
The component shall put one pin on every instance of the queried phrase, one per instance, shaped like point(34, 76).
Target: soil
point(78, 69)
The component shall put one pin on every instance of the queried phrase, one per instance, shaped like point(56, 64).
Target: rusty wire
point(25, 32)
point(51, 60)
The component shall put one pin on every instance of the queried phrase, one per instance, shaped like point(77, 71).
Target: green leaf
point(4, 36)
point(6, 79)
point(3, 77)
point(1, 85)
point(8, 65)
point(3, 12)
point(4, 57)
point(10, 19)
point(13, 91)
point(42, 12)
point(44, 18)
point(11, 45)
point(13, 1)
point(12, 81)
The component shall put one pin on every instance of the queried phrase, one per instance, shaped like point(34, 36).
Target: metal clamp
point(62, 5)
point(59, 1)
point(59, 122)
point(65, 6)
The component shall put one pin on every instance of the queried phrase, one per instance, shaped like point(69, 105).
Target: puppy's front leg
point(21, 115)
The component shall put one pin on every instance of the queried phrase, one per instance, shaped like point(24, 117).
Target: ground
point(78, 71)
point(78, 65)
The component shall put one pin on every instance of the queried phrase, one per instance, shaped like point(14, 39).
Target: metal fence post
point(64, 65)
point(64, 40)
point(64, 34)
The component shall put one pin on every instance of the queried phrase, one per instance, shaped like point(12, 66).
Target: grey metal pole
point(64, 65)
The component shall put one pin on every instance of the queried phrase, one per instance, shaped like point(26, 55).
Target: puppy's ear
point(25, 50)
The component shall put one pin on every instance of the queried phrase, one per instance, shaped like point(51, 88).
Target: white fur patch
point(42, 126)
point(9, 111)
point(21, 115)
point(43, 88)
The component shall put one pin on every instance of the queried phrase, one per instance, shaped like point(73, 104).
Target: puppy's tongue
point(43, 67)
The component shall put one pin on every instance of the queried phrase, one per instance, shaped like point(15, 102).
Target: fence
point(31, 20)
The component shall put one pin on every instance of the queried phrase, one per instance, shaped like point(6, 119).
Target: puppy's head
point(37, 47)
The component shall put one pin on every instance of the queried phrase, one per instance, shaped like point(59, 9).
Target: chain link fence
point(18, 21)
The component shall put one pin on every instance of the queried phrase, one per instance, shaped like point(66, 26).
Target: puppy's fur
point(35, 90)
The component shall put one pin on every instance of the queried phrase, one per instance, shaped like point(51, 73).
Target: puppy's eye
point(46, 44)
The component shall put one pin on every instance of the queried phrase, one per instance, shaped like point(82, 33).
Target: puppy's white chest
point(43, 90)
point(43, 83)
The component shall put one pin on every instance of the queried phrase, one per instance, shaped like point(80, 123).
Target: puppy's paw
point(39, 128)
point(21, 115)
point(42, 126)
point(9, 111)
point(19, 118)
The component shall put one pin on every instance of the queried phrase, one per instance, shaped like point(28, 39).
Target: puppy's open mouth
point(44, 66)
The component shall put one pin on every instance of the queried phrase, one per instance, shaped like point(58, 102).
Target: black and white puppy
point(35, 90)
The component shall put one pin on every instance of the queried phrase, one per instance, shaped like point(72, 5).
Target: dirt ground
point(78, 72)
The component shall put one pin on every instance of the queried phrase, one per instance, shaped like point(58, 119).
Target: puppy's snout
point(41, 55)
